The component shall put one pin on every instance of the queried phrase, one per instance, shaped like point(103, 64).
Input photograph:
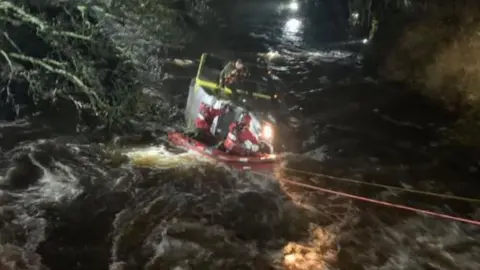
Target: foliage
point(439, 54)
point(92, 56)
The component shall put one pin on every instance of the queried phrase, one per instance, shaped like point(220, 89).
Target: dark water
point(69, 203)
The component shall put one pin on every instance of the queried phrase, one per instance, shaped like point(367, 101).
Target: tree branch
point(69, 76)
point(25, 17)
point(7, 87)
point(5, 34)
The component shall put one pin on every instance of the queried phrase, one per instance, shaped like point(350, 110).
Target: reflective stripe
point(213, 127)
point(232, 137)
point(243, 159)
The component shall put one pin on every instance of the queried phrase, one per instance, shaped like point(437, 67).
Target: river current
point(69, 201)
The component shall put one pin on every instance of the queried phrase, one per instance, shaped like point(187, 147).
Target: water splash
point(161, 158)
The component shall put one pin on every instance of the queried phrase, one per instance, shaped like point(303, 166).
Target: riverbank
point(88, 64)
point(433, 49)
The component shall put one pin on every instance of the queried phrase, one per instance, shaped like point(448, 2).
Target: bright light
point(293, 6)
point(290, 259)
point(293, 26)
point(355, 15)
point(267, 132)
point(365, 41)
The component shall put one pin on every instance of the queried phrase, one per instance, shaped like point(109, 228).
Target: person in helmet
point(233, 74)
point(240, 140)
point(204, 120)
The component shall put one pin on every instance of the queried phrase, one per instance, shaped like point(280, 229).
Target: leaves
point(90, 56)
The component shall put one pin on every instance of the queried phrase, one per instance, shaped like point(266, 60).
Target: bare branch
point(7, 87)
point(5, 34)
point(69, 76)
point(25, 17)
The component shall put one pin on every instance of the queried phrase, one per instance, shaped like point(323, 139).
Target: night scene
point(239, 134)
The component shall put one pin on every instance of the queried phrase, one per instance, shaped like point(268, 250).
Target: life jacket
point(213, 126)
point(206, 115)
point(202, 121)
point(231, 143)
point(236, 137)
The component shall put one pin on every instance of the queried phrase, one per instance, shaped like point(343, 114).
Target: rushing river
point(68, 202)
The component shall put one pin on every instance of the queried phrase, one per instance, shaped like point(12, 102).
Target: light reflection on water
point(293, 6)
point(292, 30)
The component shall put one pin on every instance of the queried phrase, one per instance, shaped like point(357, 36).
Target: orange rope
point(342, 179)
point(392, 205)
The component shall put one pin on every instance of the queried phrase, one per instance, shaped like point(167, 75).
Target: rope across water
point(427, 193)
point(378, 202)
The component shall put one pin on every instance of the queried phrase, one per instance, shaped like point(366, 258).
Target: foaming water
point(160, 157)
point(56, 183)
point(212, 219)
point(72, 204)
point(160, 208)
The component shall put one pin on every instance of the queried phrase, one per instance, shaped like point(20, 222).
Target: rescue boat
point(254, 98)
point(260, 162)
